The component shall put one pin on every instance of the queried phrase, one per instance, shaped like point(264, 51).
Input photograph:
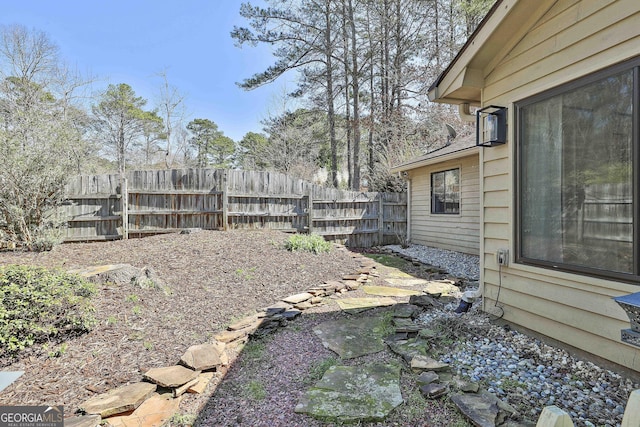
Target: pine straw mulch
point(213, 278)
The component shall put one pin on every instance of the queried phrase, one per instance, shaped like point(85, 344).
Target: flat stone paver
point(441, 287)
point(393, 272)
point(119, 400)
point(356, 305)
point(354, 393)
point(388, 291)
point(298, 298)
point(171, 376)
point(426, 363)
point(480, 410)
point(83, 421)
point(203, 357)
point(406, 311)
point(410, 348)
point(407, 282)
point(353, 337)
point(154, 412)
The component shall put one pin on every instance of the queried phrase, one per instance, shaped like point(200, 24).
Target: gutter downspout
point(469, 297)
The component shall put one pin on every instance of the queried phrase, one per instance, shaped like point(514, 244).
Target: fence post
point(380, 220)
point(124, 192)
point(310, 212)
point(225, 201)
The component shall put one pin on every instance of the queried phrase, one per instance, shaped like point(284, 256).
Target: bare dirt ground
point(213, 279)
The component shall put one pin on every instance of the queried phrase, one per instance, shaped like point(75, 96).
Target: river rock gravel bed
point(520, 369)
point(530, 374)
point(455, 263)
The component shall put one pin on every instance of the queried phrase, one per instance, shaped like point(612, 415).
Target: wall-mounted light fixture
point(491, 126)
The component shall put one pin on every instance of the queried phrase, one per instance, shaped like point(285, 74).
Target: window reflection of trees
point(577, 208)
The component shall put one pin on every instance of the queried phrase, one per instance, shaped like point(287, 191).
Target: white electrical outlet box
point(502, 256)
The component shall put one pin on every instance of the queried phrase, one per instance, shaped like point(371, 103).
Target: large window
point(445, 192)
point(577, 192)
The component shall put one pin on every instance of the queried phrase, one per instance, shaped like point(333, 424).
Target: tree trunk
point(355, 82)
point(329, 94)
point(372, 104)
point(347, 113)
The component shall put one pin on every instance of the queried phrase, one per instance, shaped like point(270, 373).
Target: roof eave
point(464, 78)
point(428, 160)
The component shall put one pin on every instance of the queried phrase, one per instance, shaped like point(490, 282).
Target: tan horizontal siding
point(459, 232)
point(578, 49)
point(574, 38)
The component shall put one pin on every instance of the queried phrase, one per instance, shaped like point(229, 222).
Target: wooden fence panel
point(92, 216)
point(394, 218)
point(276, 212)
point(170, 210)
point(170, 200)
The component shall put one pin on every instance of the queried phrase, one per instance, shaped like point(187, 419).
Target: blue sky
point(130, 41)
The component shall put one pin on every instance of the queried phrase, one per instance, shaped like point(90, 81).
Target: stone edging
point(157, 397)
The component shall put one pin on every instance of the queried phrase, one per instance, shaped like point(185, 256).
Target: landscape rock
point(441, 287)
point(304, 305)
point(465, 386)
point(249, 321)
point(109, 273)
point(203, 381)
point(357, 305)
point(424, 301)
point(354, 393)
point(352, 285)
point(407, 280)
point(276, 308)
point(298, 298)
point(388, 291)
point(83, 421)
point(406, 311)
point(179, 391)
point(149, 279)
point(410, 348)
point(426, 363)
point(406, 325)
point(396, 337)
point(427, 378)
point(291, 314)
point(427, 333)
point(170, 376)
point(229, 336)
point(154, 412)
point(315, 300)
point(434, 390)
point(119, 400)
point(481, 411)
point(203, 357)
point(334, 285)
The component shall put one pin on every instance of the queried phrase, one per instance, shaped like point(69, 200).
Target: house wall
point(454, 232)
point(574, 38)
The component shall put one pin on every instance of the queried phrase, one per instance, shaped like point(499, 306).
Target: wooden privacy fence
point(104, 207)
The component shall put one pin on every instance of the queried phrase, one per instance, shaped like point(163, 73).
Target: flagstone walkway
point(344, 393)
